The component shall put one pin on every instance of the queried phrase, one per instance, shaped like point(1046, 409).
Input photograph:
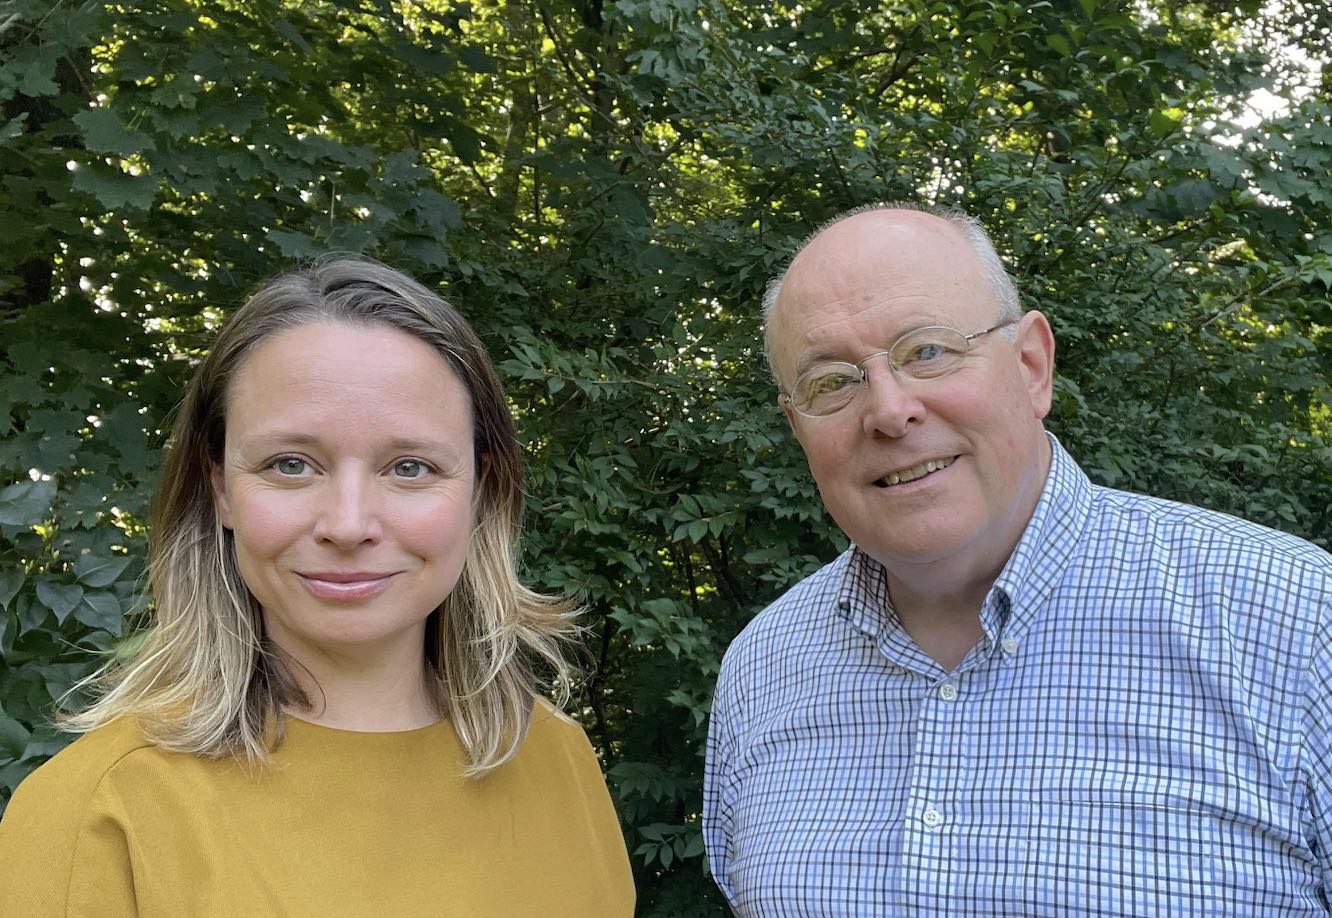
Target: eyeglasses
point(922, 353)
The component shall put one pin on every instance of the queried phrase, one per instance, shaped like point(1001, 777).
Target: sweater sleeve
point(65, 847)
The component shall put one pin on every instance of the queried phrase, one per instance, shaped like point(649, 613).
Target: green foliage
point(604, 188)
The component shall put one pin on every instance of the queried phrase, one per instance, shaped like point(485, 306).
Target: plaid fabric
point(1143, 730)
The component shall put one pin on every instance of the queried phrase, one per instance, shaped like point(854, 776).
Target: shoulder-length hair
point(206, 679)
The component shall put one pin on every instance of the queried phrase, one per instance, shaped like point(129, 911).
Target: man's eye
point(926, 352)
point(290, 465)
point(411, 468)
point(828, 383)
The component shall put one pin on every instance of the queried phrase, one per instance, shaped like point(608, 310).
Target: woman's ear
point(484, 463)
point(221, 502)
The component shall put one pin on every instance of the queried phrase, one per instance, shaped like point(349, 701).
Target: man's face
point(851, 293)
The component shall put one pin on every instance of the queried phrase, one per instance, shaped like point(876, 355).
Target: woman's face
point(348, 483)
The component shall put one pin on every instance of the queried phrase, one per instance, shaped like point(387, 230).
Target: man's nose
point(891, 402)
point(349, 514)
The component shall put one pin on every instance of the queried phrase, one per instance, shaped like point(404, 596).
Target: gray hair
point(996, 276)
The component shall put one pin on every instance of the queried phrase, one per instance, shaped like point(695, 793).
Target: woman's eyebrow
point(419, 445)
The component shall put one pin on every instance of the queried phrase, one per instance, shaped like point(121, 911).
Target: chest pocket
point(1113, 851)
point(1117, 849)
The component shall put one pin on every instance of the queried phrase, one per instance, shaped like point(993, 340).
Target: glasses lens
point(825, 388)
point(929, 352)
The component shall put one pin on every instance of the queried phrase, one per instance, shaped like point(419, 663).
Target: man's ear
point(1036, 354)
point(221, 502)
point(787, 410)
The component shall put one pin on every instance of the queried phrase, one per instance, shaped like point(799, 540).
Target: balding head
point(839, 243)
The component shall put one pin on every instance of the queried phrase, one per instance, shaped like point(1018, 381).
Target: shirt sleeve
point(1317, 757)
point(65, 854)
point(718, 791)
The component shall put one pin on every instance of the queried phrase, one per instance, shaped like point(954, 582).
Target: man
point(1017, 693)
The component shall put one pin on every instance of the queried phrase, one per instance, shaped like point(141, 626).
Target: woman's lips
point(345, 587)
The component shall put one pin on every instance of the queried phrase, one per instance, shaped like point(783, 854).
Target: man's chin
point(917, 547)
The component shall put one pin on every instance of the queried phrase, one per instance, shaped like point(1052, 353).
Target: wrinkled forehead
point(876, 275)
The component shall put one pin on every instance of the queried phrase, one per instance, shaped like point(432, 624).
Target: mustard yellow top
point(340, 823)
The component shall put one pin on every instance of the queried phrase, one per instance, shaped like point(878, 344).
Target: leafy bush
point(603, 188)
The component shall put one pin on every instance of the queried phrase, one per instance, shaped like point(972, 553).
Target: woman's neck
point(365, 692)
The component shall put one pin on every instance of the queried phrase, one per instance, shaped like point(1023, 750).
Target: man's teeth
point(917, 471)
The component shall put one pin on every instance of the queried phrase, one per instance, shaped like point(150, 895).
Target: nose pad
point(892, 403)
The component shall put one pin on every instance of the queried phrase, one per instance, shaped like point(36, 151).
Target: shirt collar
point(1047, 545)
point(862, 598)
point(1050, 542)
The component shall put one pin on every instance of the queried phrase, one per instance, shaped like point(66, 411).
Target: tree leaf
point(26, 503)
point(293, 245)
point(30, 612)
point(13, 739)
point(11, 581)
point(36, 65)
point(13, 128)
point(99, 570)
point(46, 741)
point(104, 132)
point(1164, 122)
point(102, 610)
point(290, 32)
point(60, 598)
point(115, 189)
point(476, 60)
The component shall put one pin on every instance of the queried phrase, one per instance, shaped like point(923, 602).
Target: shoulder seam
point(97, 789)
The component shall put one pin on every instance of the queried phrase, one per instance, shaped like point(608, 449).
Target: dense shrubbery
point(603, 188)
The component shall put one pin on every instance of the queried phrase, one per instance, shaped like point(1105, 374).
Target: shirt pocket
point(1116, 849)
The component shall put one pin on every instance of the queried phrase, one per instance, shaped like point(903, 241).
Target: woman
point(336, 712)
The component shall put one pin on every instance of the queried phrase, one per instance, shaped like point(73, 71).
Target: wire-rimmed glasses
point(922, 353)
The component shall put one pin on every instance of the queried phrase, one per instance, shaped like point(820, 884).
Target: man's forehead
point(888, 241)
point(903, 265)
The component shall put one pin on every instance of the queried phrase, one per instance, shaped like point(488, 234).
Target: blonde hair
point(206, 680)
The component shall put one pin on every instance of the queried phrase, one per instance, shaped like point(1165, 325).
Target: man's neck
point(939, 602)
point(944, 624)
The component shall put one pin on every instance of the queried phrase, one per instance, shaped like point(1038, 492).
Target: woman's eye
point(290, 465)
point(410, 468)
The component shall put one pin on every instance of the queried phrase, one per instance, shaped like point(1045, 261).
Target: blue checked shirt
point(1143, 730)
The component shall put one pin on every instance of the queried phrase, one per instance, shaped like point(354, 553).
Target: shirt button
point(948, 691)
point(1010, 645)
point(932, 818)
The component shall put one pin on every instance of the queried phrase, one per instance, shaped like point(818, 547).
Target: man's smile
point(915, 472)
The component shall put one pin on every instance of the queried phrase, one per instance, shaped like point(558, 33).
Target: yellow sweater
point(340, 824)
